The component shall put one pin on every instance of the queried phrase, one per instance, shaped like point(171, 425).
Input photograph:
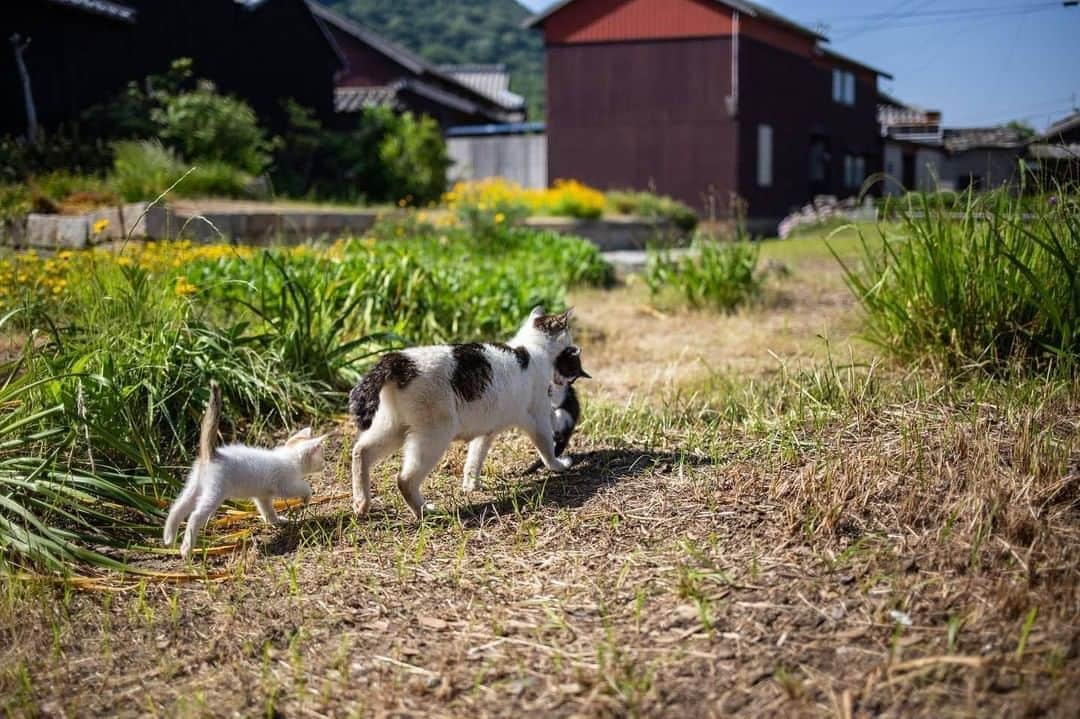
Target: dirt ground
point(672, 572)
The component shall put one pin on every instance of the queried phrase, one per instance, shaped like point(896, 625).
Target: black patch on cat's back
point(394, 367)
point(472, 371)
point(520, 353)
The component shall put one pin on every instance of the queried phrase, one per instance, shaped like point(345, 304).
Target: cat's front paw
point(279, 521)
point(471, 484)
point(361, 507)
point(561, 464)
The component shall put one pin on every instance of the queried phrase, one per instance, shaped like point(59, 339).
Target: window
point(854, 171)
point(764, 155)
point(843, 87)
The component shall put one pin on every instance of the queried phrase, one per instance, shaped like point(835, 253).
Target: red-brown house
point(705, 100)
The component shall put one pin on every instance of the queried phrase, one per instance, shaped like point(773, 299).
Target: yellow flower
point(100, 226)
point(499, 217)
point(184, 287)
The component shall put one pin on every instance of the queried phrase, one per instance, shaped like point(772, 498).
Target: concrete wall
point(520, 158)
point(986, 168)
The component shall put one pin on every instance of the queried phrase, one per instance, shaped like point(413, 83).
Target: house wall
point(67, 74)
point(519, 158)
point(929, 164)
point(644, 115)
point(793, 96)
point(987, 168)
point(77, 59)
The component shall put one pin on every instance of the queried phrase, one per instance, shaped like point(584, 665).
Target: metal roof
point(491, 80)
point(748, 8)
point(826, 52)
point(112, 10)
point(505, 128)
point(959, 139)
point(1061, 126)
point(1046, 151)
point(354, 99)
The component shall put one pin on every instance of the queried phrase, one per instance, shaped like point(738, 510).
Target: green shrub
point(385, 158)
point(204, 125)
point(14, 201)
point(719, 275)
point(413, 152)
point(143, 170)
point(996, 284)
point(647, 204)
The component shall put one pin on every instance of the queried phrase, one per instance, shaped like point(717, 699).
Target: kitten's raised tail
point(208, 434)
point(183, 505)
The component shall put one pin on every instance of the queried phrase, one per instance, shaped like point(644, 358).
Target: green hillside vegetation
point(481, 31)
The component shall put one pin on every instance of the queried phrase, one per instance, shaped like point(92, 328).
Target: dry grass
point(737, 536)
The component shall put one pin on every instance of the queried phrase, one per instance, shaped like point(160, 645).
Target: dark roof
point(832, 54)
point(111, 10)
point(410, 60)
point(1062, 126)
point(749, 8)
point(959, 139)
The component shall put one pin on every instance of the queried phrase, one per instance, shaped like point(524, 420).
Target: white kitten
point(236, 471)
point(426, 397)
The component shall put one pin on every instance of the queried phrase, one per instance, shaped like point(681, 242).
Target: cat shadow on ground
point(591, 473)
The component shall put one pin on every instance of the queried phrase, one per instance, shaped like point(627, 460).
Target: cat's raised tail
point(207, 440)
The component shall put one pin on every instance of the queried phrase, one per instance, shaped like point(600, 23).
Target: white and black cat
point(423, 398)
point(237, 471)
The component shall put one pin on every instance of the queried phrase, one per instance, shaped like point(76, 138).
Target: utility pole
point(19, 45)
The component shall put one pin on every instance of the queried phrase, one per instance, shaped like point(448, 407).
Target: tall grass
point(713, 274)
point(987, 286)
point(100, 404)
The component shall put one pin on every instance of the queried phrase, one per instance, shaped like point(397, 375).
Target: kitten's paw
point(471, 484)
point(431, 510)
point(279, 521)
point(361, 507)
point(185, 550)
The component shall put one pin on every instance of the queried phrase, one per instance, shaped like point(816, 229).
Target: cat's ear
point(566, 315)
point(309, 447)
point(299, 436)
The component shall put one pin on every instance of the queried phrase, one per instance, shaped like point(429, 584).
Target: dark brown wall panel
point(647, 114)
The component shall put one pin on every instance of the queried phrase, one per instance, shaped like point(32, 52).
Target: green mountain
point(462, 31)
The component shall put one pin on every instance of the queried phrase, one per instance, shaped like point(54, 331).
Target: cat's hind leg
point(269, 514)
point(181, 508)
point(209, 500)
point(474, 462)
point(423, 450)
point(372, 446)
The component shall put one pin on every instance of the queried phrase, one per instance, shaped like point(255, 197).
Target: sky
point(981, 62)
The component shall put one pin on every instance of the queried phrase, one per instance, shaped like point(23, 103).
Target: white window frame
point(843, 87)
point(764, 155)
